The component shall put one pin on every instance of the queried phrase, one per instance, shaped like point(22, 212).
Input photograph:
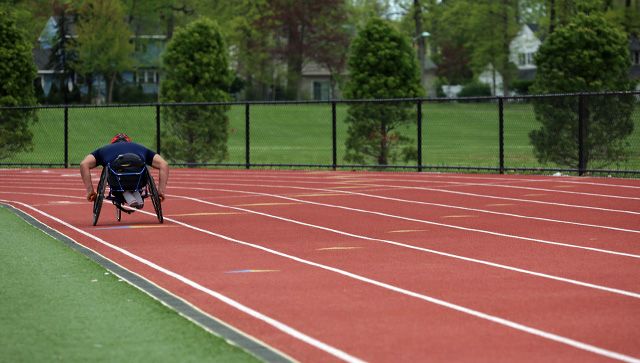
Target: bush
point(475, 89)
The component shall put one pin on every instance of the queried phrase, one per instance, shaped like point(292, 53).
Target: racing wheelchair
point(118, 182)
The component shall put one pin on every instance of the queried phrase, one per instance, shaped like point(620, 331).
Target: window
point(525, 58)
point(146, 76)
point(635, 57)
point(321, 90)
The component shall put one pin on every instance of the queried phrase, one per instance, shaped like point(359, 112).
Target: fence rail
point(488, 134)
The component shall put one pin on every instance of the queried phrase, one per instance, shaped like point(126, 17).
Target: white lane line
point(411, 220)
point(442, 191)
point(320, 345)
point(420, 178)
point(245, 309)
point(468, 259)
point(334, 191)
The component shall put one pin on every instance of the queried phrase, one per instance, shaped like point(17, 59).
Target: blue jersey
point(109, 153)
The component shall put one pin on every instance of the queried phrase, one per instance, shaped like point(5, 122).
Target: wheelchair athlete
point(121, 145)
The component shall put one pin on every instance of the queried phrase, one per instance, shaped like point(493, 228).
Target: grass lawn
point(58, 305)
point(453, 134)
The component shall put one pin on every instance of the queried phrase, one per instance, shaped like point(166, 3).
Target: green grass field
point(58, 305)
point(454, 134)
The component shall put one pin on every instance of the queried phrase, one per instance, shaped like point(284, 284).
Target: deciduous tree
point(104, 41)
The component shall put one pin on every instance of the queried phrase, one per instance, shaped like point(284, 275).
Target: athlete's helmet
point(120, 138)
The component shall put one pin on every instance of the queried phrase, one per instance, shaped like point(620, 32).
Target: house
point(316, 81)
point(146, 74)
point(524, 47)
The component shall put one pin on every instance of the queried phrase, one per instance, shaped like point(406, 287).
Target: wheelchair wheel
point(97, 203)
point(155, 197)
point(118, 213)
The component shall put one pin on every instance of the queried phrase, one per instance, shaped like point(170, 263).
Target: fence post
point(501, 132)
point(158, 128)
point(66, 137)
point(335, 141)
point(581, 124)
point(247, 146)
point(419, 135)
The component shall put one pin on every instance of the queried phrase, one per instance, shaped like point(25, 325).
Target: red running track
point(381, 267)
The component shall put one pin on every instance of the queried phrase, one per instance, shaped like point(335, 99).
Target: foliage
point(62, 58)
point(475, 89)
point(306, 30)
point(587, 55)
point(17, 73)
point(381, 65)
point(196, 66)
point(103, 43)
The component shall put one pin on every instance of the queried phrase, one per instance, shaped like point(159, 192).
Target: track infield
point(318, 266)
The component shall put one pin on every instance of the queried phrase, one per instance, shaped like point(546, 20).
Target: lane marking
point(409, 230)
point(131, 226)
point(424, 189)
point(434, 223)
point(318, 344)
point(249, 311)
point(468, 259)
point(338, 248)
point(438, 205)
point(203, 214)
point(264, 204)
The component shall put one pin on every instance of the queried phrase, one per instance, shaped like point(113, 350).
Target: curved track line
point(245, 309)
point(323, 346)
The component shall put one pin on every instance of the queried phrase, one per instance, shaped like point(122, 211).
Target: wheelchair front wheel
point(155, 197)
point(97, 203)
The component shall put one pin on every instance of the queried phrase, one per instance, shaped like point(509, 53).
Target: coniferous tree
point(17, 72)
point(196, 68)
point(381, 65)
point(586, 55)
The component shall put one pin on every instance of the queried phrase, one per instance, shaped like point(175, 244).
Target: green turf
point(454, 134)
point(58, 305)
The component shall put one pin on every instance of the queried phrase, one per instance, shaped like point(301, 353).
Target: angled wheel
point(118, 213)
point(97, 202)
point(155, 197)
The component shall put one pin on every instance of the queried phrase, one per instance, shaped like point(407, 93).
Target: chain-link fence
point(590, 133)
